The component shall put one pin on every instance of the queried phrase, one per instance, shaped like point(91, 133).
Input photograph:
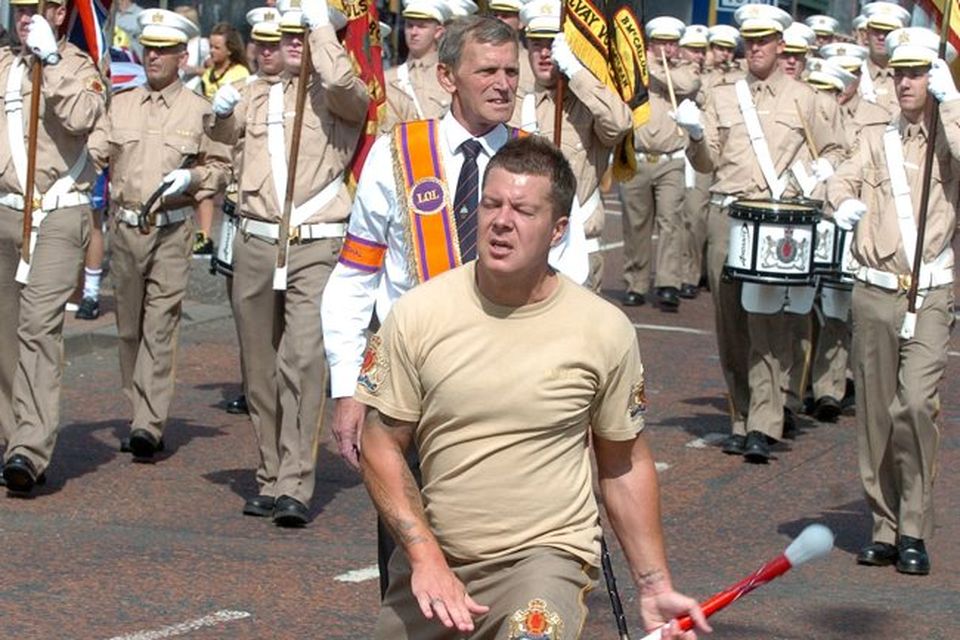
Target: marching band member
point(751, 161)
point(595, 119)
point(151, 254)
point(898, 367)
point(655, 194)
point(34, 295)
point(281, 338)
point(876, 83)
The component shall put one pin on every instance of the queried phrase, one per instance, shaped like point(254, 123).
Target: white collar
point(455, 135)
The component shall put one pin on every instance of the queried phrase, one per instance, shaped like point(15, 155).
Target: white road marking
point(610, 246)
point(707, 440)
point(661, 466)
point(359, 575)
point(183, 628)
point(672, 329)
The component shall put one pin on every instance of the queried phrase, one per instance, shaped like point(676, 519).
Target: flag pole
point(283, 242)
point(36, 80)
point(561, 88)
point(933, 124)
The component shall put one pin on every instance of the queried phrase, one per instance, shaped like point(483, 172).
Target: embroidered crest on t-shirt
point(536, 622)
point(374, 367)
point(638, 400)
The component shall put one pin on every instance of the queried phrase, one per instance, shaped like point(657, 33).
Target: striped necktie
point(466, 200)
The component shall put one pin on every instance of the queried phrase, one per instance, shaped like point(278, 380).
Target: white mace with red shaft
point(813, 542)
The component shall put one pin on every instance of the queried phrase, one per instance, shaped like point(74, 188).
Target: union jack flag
point(87, 26)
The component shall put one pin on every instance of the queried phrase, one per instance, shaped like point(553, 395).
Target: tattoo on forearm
point(651, 578)
point(398, 519)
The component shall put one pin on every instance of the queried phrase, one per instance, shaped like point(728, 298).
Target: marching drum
point(845, 265)
point(222, 260)
point(772, 242)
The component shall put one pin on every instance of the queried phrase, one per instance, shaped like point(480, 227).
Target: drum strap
point(758, 140)
point(893, 150)
point(528, 113)
point(403, 77)
point(867, 90)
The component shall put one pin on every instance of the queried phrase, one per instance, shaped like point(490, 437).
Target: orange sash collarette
point(432, 230)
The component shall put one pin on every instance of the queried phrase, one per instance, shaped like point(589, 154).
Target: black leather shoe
point(827, 409)
point(125, 445)
point(261, 506)
point(668, 298)
point(89, 309)
point(634, 299)
point(877, 554)
point(143, 444)
point(734, 445)
point(689, 291)
point(756, 449)
point(289, 512)
point(238, 405)
point(912, 557)
point(19, 474)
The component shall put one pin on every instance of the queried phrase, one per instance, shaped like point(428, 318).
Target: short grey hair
point(482, 29)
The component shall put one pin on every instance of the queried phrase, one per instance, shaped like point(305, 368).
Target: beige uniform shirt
point(595, 119)
point(434, 101)
point(883, 85)
point(864, 176)
point(858, 114)
point(336, 109)
point(146, 134)
point(725, 146)
point(660, 133)
point(399, 107)
point(526, 81)
point(504, 450)
point(71, 102)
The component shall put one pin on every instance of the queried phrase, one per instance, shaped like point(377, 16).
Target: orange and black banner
point(607, 37)
point(362, 42)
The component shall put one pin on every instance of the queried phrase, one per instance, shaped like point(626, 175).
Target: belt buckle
point(653, 158)
point(293, 237)
point(36, 203)
point(904, 281)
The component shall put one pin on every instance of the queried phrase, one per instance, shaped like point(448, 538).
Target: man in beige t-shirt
point(496, 425)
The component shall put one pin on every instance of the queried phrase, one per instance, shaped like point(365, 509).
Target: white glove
point(848, 214)
point(564, 57)
point(316, 13)
point(179, 180)
point(41, 41)
point(822, 169)
point(225, 100)
point(688, 117)
point(940, 84)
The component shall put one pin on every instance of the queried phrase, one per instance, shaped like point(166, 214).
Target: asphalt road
point(114, 549)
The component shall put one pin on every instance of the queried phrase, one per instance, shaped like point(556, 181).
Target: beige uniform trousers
point(695, 203)
point(797, 352)
point(31, 328)
point(284, 367)
point(773, 340)
point(507, 585)
point(733, 339)
point(150, 274)
point(897, 406)
point(655, 193)
point(829, 368)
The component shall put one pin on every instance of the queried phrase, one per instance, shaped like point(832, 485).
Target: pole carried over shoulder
point(933, 125)
point(30, 188)
point(283, 242)
point(673, 95)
